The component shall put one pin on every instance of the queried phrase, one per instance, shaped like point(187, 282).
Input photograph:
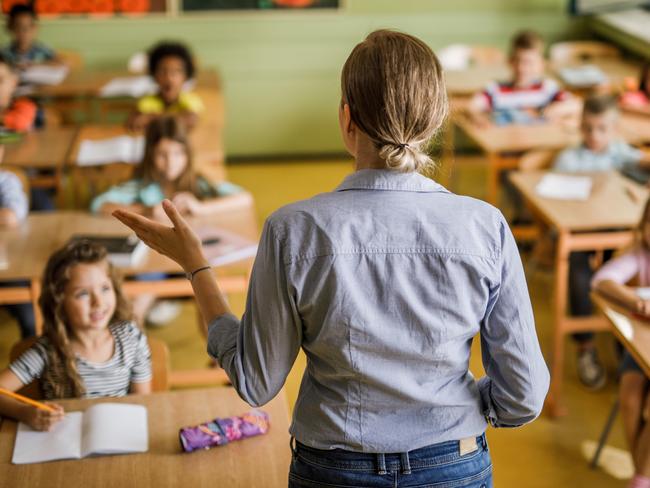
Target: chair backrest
point(22, 176)
point(486, 55)
point(580, 51)
point(72, 58)
point(538, 159)
point(159, 366)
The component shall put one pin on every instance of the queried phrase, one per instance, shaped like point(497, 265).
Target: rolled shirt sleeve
point(517, 379)
point(258, 352)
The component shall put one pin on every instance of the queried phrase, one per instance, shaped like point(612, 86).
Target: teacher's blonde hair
point(394, 86)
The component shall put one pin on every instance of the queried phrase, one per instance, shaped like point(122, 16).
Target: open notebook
point(105, 428)
point(564, 187)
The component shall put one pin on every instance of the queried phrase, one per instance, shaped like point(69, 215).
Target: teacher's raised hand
point(179, 242)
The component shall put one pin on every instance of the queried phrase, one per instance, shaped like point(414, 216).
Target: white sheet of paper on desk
point(587, 75)
point(121, 149)
point(564, 187)
point(104, 428)
point(643, 292)
point(621, 322)
point(45, 74)
point(129, 86)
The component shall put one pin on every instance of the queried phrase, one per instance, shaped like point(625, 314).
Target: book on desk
point(123, 251)
point(105, 428)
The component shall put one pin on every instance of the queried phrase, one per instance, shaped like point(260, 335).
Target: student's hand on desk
point(179, 242)
point(187, 203)
point(39, 419)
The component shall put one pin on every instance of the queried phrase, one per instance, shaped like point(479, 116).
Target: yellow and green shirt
point(187, 102)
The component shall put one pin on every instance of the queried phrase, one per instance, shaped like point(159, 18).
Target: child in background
point(24, 49)
point(16, 114)
point(611, 281)
point(599, 151)
point(14, 207)
point(638, 99)
point(171, 66)
point(89, 347)
point(167, 171)
point(529, 94)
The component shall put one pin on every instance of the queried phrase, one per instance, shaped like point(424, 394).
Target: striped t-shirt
point(131, 363)
point(506, 96)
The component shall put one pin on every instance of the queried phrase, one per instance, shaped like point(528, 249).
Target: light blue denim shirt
point(384, 283)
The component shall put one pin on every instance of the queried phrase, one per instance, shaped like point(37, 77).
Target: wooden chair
point(160, 366)
point(572, 52)
point(72, 58)
point(536, 160)
point(486, 55)
point(90, 181)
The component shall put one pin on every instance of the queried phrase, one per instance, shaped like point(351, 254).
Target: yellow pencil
point(26, 400)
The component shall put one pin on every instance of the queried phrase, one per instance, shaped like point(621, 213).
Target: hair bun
point(404, 157)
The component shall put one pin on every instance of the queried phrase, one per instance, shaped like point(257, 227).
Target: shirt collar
point(386, 179)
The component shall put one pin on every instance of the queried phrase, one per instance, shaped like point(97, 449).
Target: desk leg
point(554, 405)
point(494, 171)
point(35, 293)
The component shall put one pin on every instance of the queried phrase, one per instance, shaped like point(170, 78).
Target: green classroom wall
point(280, 70)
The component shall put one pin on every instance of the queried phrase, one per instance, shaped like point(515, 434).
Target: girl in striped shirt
point(89, 347)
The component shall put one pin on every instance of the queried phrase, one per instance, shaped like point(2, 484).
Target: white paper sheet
point(564, 187)
point(129, 86)
point(587, 75)
point(62, 442)
point(621, 322)
point(114, 428)
point(45, 74)
point(121, 149)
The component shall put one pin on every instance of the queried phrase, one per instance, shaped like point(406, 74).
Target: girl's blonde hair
point(62, 373)
point(167, 127)
point(394, 86)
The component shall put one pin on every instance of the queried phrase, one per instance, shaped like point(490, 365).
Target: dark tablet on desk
point(636, 173)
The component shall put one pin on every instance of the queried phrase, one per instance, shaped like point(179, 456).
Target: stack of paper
point(222, 247)
point(583, 76)
point(44, 74)
point(122, 149)
point(564, 187)
point(130, 86)
point(105, 428)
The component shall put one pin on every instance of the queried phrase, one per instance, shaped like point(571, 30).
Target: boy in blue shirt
point(600, 150)
point(25, 49)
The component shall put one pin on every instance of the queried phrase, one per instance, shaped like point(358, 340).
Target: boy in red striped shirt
point(529, 95)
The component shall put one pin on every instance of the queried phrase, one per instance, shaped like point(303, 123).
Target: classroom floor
point(544, 454)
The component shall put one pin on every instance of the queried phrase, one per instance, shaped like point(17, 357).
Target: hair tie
point(402, 146)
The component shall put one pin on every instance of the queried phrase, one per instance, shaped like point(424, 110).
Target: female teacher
point(383, 283)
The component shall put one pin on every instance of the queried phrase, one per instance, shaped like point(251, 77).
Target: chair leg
point(605, 434)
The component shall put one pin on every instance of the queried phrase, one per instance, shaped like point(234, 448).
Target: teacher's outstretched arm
point(258, 351)
point(181, 244)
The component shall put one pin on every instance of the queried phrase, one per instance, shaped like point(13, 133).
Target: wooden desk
point(261, 462)
point(634, 333)
point(42, 149)
point(503, 145)
point(30, 245)
point(88, 83)
point(605, 221)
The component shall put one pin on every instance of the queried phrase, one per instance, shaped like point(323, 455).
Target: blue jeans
point(435, 466)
